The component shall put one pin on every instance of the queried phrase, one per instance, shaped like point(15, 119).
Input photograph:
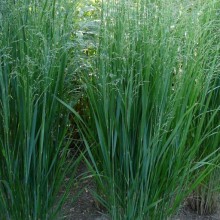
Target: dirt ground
point(187, 214)
point(85, 208)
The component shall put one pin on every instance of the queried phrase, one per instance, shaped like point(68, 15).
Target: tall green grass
point(205, 199)
point(34, 46)
point(144, 96)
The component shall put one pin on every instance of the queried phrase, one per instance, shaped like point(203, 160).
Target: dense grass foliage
point(206, 123)
point(149, 99)
point(34, 46)
point(149, 115)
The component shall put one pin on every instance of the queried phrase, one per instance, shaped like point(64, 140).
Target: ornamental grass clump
point(204, 199)
point(144, 94)
point(206, 129)
point(34, 45)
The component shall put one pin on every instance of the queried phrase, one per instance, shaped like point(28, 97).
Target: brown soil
point(186, 213)
point(84, 208)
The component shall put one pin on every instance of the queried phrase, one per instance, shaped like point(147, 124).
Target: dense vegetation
point(139, 83)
